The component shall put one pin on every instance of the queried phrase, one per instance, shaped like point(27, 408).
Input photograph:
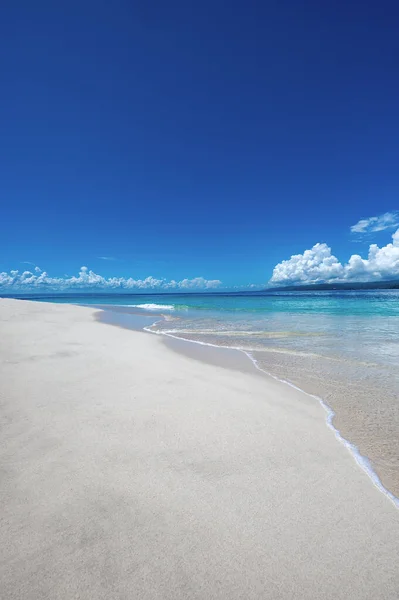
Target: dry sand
point(130, 471)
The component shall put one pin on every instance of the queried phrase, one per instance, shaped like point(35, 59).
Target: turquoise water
point(359, 325)
point(340, 346)
point(363, 303)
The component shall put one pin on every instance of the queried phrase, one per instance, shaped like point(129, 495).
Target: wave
point(241, 333)
point(153, 306)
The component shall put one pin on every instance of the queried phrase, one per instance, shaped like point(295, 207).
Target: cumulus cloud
point(388, 220)
point(87, 279)
point(198, 283)
point(319, 265)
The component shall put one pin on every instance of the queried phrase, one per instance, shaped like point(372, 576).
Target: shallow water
point(340, 346)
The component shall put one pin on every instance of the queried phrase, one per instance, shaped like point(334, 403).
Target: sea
point(342, 347)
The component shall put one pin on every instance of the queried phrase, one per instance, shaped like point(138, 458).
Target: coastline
point(142, 323)
point(134, 471)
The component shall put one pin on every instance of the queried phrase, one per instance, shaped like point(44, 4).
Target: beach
point(130, 470)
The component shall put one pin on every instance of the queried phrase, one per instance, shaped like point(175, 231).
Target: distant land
point(353, 285)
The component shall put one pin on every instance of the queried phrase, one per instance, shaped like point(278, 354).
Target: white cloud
point(320, 265)
point(28, 262)
point(198, 283)
point(388, 220)
point(87, 279)
point(106, 257)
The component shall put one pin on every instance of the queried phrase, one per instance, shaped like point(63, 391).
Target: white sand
point(129, 471)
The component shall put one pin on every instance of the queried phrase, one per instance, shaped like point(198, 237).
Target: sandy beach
point(129, 470)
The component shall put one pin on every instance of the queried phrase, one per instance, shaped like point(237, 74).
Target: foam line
point(361, 460)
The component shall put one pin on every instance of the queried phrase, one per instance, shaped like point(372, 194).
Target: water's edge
point(145, 322)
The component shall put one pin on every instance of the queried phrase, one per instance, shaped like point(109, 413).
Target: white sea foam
point(153, 306)
point(361, 460)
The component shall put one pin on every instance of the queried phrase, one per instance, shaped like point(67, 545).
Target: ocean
point(340, 346)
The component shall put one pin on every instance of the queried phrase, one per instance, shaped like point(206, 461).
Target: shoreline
point(362, 461)
point(133, 471)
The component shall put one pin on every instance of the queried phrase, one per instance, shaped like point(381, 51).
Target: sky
point(198, 145)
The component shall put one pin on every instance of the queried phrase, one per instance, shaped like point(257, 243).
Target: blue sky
point(197, 142)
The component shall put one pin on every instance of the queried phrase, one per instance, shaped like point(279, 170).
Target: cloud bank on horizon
point(87, 279)
point(316, 265)
point(319, 265)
